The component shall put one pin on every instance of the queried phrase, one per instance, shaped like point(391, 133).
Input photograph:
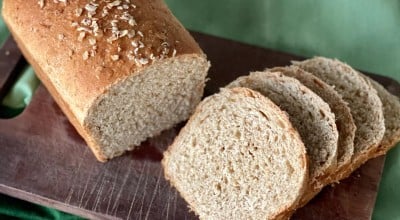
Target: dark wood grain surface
point(45, 161)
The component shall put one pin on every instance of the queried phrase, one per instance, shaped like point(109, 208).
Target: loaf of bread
point(120, 71)
point(238, 157)
point(364, 102)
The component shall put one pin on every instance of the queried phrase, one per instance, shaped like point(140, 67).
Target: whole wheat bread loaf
point(344, 119)
point(364, 103)
point(121, 71)
point(309, 114)
point(238, 157)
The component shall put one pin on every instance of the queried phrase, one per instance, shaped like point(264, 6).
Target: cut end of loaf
point(146, 103)
point(238, 157)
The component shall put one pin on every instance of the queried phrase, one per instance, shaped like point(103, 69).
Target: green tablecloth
point(363, 33)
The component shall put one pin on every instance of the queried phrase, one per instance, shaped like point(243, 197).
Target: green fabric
point(3, 30)
point(11, 208)
point(363, 33)
point(20, 94)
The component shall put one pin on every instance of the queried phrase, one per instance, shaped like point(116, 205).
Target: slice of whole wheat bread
point(365, 105)
point(238, 157)
point(344, 119)
point(309, 114)
point(391, 113)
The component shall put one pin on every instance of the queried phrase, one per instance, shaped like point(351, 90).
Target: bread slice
point(391, 113)
point(121, 71)
point(238, 157)
point(363, 100)
point(309, 114)
point(344, 119)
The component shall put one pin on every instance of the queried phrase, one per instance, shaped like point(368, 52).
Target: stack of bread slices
point(270, 141)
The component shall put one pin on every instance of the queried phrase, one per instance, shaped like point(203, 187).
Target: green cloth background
point(363, 33)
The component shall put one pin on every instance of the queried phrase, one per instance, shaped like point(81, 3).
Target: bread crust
point(391, 113)
point(49, 38)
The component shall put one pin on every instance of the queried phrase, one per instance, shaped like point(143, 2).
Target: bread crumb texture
point(238, 157)
point(364, 102)
point(308, 113)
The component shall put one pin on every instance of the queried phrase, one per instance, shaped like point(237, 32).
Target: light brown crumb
point(86, 21)
point(83, 29)
point(7, 53)
point(174, 53)
point(105, 12)
point(123, 33)
point(60, 1)
point(81, 36)
point(41, 3)
point(141, 44)
point(92, 41)
point(111, 39)
point(78, 12)
point(132, 22)
point(61, 37)
point(131, 33)
point(114, 3)
point(85, 55)
point(143, 61)
point(90, 7)
point(140, 33)
point(115, 57)
point(95, 26)
point(130, 56)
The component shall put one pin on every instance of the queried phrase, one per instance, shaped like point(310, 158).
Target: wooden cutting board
point(45, 161)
